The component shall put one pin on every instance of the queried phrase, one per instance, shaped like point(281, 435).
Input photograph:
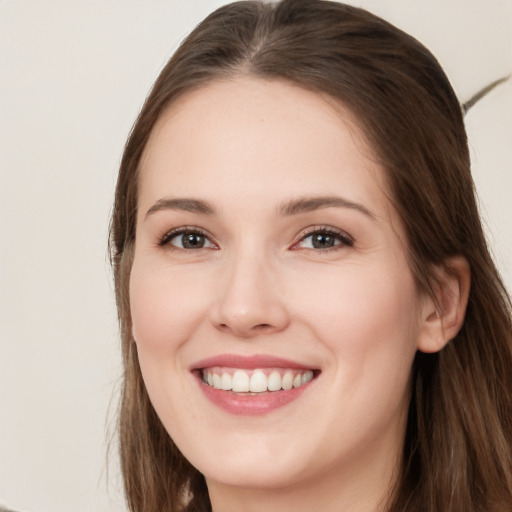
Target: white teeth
point(287, 383)
point(226, 382)
point(255, 381)
point(258, 382)
point(274, 381)
point(307, 376)
point(240, 382)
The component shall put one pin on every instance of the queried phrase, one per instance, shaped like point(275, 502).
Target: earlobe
point(443, 314)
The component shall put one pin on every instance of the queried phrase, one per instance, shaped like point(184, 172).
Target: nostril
point(246, 331)
point(262, 327)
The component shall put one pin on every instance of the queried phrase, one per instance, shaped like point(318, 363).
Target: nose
point(250, 300)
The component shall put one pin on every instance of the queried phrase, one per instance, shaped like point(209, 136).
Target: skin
point(247, 147)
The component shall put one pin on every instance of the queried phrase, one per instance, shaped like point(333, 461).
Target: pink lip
point(246, 404)
point(249, 362)
point(251, 405)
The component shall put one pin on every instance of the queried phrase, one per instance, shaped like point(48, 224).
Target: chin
point(254, 474)
point(260, 461)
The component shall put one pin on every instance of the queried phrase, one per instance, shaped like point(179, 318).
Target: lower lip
point(251, 405)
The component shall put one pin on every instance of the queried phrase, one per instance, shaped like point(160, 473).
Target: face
point(275, 316)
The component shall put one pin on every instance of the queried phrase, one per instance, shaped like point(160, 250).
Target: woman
point(309, 312)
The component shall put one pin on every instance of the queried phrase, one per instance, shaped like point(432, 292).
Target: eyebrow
point(292, 207)
point(184, 204)
point(308, 204)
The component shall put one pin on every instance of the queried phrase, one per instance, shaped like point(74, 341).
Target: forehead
point(264, 137)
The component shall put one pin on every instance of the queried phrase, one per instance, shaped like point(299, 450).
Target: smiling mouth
point(253, 385)
point(257, 381)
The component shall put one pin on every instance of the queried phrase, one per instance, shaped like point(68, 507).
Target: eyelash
point(341, 238)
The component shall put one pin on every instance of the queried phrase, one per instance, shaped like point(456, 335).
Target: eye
point(187, 238)
point(323, 239)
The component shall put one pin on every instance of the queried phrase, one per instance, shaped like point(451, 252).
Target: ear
point(443, 314)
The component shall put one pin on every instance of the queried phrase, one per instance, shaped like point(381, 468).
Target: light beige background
point(73, 76)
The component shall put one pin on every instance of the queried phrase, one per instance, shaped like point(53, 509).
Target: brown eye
point(188, 239)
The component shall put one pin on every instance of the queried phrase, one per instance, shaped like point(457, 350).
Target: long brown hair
point(457, 451)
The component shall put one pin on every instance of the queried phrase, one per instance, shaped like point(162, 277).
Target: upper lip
point(249, 362)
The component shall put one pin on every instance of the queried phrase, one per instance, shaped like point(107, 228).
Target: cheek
point(368, 323)
point(166, 305)
point(368, 320)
